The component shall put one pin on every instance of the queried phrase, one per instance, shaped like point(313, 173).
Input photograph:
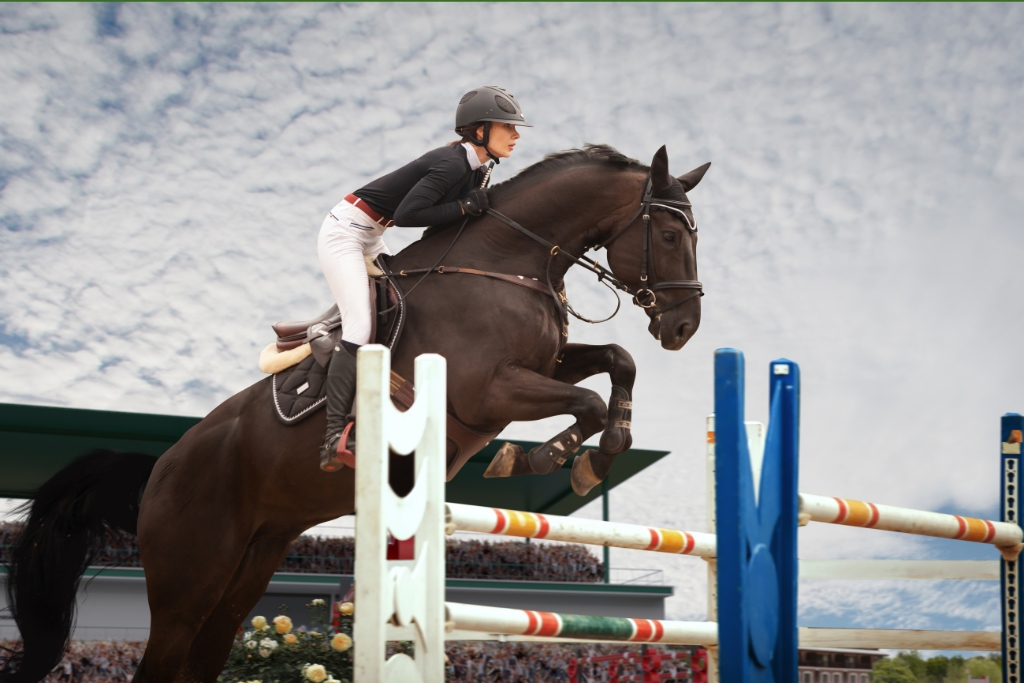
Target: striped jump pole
point(570, 530)
point(888, 518)
point(518, 622)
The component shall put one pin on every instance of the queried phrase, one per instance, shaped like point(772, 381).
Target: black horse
point(216, 513)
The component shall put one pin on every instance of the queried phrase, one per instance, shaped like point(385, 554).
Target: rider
point(440, 187)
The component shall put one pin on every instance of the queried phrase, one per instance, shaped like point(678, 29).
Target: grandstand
point(37, 441)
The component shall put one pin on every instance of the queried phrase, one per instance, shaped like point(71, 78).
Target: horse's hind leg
point(518, 394)
point(211, 647)
point(181, 598)
point(578, 362)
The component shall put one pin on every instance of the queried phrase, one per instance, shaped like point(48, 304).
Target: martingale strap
point(521, 280)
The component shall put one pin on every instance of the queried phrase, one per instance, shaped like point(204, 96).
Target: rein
point(644, 296)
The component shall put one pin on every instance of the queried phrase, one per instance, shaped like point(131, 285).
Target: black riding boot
point(341, 393)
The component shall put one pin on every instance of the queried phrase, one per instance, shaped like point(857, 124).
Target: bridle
point(644, 296)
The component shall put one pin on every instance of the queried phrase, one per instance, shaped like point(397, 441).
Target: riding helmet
point(488, 103)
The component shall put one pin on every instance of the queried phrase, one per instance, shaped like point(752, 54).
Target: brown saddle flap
point(463, 442)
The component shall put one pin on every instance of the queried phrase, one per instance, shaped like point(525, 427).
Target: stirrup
point(333, 457)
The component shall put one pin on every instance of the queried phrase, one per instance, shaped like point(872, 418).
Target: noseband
point(644, 296)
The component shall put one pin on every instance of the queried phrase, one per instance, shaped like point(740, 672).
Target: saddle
point(299, 359)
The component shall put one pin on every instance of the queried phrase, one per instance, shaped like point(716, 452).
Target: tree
point(913, 661)
point(936, 669)
point(979, 667)
point(892, 671)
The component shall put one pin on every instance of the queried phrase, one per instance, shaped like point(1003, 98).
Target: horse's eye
point(670, 237)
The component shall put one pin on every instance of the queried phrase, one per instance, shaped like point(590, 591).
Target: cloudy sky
point(164, 170)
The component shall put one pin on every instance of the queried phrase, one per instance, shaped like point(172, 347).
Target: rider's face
point(503, 139)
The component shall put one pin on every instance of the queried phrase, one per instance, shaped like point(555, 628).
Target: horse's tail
point(96, 492)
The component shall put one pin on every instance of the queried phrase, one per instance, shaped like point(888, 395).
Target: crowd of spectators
point(491, 662)
point(519, 561)
point(94, 661)
point(114, 661)
point(466, 558)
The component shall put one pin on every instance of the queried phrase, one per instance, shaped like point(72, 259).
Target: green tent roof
point(36, 441)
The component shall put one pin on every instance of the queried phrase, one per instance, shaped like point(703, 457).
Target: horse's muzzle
point(673, 331)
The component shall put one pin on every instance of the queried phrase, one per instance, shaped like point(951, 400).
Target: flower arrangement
point(276, 652)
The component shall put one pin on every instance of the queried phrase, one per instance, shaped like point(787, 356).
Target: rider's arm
point(420, 206)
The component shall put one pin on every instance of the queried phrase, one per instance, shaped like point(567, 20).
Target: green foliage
point(913, 661)
point(936, 669)
point(979, 667)
point(939, 669)
point(892, 671)
point(268, 655)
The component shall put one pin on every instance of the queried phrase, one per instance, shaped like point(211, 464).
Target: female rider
point(441, 186)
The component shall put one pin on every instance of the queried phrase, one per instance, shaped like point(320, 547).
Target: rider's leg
point(341, 249)
point(341, 391)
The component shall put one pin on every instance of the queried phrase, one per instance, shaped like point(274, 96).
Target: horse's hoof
point(510, 461)
point(583, 478)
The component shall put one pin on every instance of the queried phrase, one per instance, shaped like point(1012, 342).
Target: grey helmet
point(488, 103)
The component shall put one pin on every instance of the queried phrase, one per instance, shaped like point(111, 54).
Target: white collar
point(474, 160)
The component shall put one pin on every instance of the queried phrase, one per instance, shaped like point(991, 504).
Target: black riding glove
point(475, 203)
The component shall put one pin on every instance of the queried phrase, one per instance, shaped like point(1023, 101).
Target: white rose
point(316, 673)
point(268, 643)
point(251, 644)
point(317, 602)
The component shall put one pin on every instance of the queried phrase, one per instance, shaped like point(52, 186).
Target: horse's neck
point(568, 210)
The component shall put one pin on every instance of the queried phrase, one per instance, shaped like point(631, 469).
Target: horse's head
point(657, 256)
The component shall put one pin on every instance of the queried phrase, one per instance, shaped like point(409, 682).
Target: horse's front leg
point(521, 395)
point(578, 362)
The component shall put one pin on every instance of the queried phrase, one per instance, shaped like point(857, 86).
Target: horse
point(216, 513)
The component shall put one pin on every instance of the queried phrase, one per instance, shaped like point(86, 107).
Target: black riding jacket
point(425, 191)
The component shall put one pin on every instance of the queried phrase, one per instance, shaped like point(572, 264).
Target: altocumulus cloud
point(164, 170)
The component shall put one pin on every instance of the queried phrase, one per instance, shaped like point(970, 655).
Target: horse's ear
point(659, 170)
point(690, 180)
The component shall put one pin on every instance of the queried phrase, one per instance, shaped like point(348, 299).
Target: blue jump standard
point(757, 535)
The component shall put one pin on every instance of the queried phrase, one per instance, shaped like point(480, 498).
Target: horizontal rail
point(889, 639)
point(477, 622)
point(889, 518)
point(935, 570)
point(517, 622)
point(572, 530)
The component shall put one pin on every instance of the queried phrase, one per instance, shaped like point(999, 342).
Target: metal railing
point(636, 576)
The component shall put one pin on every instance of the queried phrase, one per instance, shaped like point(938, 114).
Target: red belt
point(368, 210)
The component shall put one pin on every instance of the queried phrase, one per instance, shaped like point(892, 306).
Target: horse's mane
point(605, 155)
point(590, 155)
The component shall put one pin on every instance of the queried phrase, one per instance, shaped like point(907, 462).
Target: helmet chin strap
point(486, 142)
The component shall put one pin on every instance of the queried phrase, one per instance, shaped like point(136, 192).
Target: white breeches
point(346, 237)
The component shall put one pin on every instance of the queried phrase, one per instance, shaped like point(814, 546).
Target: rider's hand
point(475, 203)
